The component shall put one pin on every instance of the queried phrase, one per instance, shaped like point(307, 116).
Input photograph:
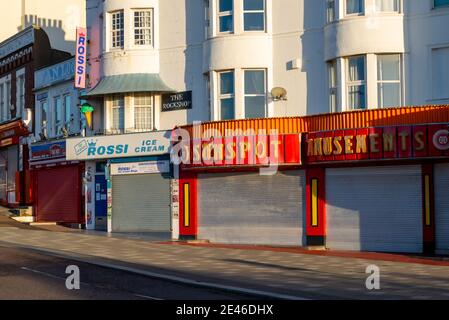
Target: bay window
point(356, 82)
point(333, 88)
point(355, 7)
point(226, 95)
point(254, 15)
point(389, 80)
point(440, 3)
point(143, 20)
point(143, 112)
point(330, 11)
point(225, 16)
point(118, 113)
point(255, 94)
point(387, 5)
point(118, 29)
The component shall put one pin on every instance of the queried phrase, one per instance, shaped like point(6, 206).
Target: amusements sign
point(177, 101)
point(398, 142)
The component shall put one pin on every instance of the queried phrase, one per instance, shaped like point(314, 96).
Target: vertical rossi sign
point(81, 53)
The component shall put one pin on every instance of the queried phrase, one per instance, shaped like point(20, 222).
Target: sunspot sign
point(81, 53)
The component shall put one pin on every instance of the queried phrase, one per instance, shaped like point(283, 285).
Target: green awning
point(127, 83)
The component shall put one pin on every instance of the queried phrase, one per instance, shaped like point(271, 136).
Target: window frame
point(116, 33)
point(150, 28)
point(265, 89)
point(56, 125)
point(381, 82)
point(350, 83)
point(144, 106)
point(327, 2)
point(333, 84)
point(122, 124)
point(225, 14)
point(263, 11)
point(356, 14)
point(226, 95)
point(399, 11)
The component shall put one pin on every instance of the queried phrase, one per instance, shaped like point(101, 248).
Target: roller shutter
point(141, 203)
point(374, 209)
point(441, 179)
point(248, 208)
point(58, 195)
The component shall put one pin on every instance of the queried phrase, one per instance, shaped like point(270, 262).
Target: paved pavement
point(28, 275)
point(278, 272)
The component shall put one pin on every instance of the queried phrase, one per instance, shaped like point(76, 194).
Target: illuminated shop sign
point(80, 59)
point(399, 142)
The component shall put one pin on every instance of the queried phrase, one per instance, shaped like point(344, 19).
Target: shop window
point(440, 76)
point(440, 3)
point(254, 15)
point(143, 25)
point(227, 95)
point(388, 5)
point(333, 85)
point(356, 83)
point(118, 114)
point(118, 29)
point(255, 94)
point(143, 112)
point(330, 11)
point(355, 7)
point(225, 16)
point(389, 80)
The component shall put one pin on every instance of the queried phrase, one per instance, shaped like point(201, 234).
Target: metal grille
point(141, 203)
point(442, 207)
point(252, 209)
point(374, 209)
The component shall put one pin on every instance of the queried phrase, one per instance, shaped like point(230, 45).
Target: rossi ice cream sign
point(81, 52)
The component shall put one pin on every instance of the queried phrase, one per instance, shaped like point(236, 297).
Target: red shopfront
point(14, 174)
point(381, 188)
point(244, 190)
point(57, 184)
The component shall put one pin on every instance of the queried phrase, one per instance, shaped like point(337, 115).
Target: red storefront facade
point(367, 181)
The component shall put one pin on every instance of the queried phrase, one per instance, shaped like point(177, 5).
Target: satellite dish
point(278, 94)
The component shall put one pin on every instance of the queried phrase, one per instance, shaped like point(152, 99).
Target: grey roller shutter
point(248, 208)
point(374, 209)
point(141, 203)
point(441, 178)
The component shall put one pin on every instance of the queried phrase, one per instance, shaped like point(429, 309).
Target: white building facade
point(329, 55)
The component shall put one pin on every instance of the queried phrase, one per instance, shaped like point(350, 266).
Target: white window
point(118, 113)
point(333, 85)
point(2, 101)
point(255, 94)
point(5, 98)
point(388, 5)
point(356, 82)
point(143, 112)
point(45, 118)
point(254, 15)
point(355, 7)
point(389, 80)
point(117, 29)
point(59, 116)
point(143, 27)
point(440, 3)
point(67, 110)
point(440, 74)
point(330, 11)
point(225, 16)
point(20, 82)
point(226, 95)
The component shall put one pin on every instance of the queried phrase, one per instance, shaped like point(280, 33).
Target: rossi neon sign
point(81, 52)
